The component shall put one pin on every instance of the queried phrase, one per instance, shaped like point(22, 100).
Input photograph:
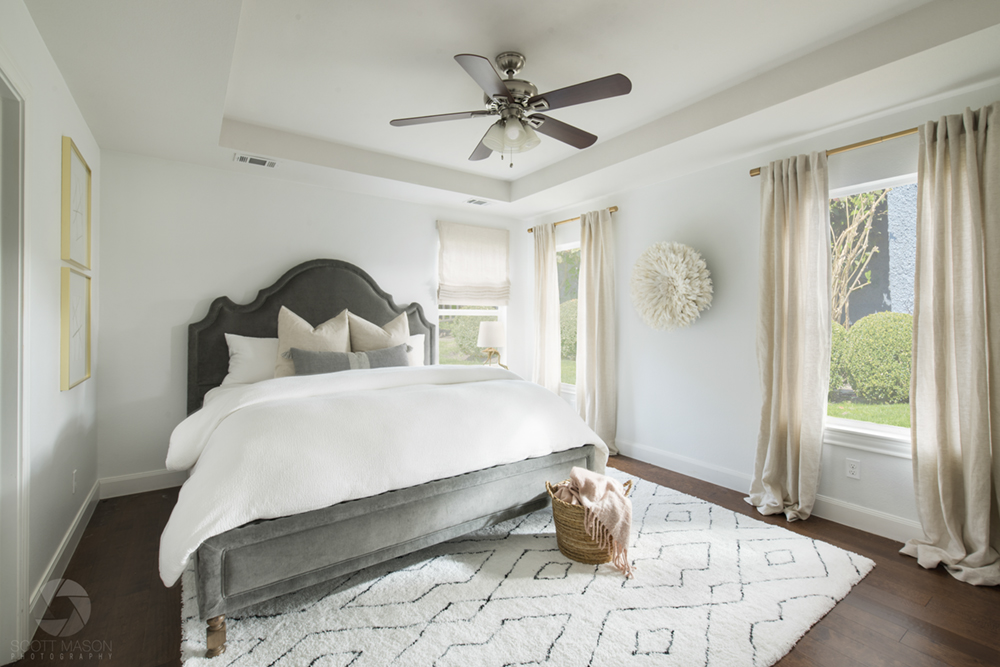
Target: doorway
point(13, 485)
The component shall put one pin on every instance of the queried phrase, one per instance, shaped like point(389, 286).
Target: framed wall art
point(75, 206)
point(75, 338)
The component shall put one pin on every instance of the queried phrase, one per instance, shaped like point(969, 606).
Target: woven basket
point(571, 535)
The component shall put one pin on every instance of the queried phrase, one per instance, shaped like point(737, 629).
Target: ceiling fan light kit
point(517, 102)
point(510, 136)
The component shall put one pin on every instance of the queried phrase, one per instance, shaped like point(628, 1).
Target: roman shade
point(473, 267)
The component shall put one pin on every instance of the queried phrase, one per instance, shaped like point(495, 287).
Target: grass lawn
point(448, 353)
point(892, 414)
point(569, 371)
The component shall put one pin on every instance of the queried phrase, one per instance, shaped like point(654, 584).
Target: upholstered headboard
point(316, 290)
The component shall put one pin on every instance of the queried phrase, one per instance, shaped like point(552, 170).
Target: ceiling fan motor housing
point(520, 90)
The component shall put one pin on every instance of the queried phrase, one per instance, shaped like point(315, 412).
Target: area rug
point(712, 587)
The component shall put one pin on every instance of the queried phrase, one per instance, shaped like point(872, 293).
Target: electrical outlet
point(74, 481)
point(854, 468)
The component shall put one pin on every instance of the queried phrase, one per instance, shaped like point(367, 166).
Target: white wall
point(175, 236)
point(59, 429)
point(689, 400)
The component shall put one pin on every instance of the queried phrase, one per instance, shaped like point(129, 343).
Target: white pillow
point(293, 331)
point(250, 359)
point(416, 353)
point(366, 337)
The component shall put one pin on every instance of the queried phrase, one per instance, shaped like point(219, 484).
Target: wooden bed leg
point(216, 636)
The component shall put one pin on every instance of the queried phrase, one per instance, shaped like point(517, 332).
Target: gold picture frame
point(75, 328)
point(76, 196)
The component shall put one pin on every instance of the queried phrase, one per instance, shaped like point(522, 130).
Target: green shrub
point(567, 329)
point(838, 357)
point(879, 351)
point(465, 329)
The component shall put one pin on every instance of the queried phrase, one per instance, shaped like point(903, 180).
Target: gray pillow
point(311, 363)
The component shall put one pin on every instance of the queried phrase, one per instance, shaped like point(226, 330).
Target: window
point(458, 333)
point(473, 287)
point(874, 255)
point(568, 270)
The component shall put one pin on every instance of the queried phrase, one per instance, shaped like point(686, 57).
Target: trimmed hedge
point(878, 359)
point(838, 357)
point(567, 329)
point(465, 329)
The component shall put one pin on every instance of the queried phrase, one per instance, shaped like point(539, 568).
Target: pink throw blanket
point(607, 512)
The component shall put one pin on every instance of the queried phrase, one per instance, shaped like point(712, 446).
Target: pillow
point(366, 336)
point(311, 363)
point(293, 331)
point(250, 359)
point(415, 352)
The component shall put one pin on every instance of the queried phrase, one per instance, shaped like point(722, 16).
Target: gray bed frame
point(264, 559)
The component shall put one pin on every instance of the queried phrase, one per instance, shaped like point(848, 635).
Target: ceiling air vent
point(477, 202)
point(254, 160)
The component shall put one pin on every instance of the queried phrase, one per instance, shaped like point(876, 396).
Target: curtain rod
point(861, 144)
point(611, 209)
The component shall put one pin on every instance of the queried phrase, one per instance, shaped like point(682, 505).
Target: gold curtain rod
point(861, 144)
point(611, 209)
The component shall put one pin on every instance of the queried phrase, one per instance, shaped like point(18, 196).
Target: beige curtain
point(473, 265)
point(596, 367)
point(955, 386)
point(548, 365)
point(793, 334)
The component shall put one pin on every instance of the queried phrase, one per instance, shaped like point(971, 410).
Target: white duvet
point(295, 444)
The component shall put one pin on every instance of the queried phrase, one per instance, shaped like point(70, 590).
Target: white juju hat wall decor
point(670, 286)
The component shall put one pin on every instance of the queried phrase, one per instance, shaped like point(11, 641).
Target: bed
point(263, 559)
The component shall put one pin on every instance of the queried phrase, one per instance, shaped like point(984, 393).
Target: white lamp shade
point(494, 137)
point(491, 334)
point(531, 140)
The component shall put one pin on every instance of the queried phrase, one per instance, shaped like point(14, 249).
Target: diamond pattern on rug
point(712, 587)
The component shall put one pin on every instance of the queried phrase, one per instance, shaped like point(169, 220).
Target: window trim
point(868, 437)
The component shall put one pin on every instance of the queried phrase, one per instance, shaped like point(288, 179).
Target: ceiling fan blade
point(564, 132)
point(419, 120)
point(481, 69)
point(598, 89)
point(481, 152)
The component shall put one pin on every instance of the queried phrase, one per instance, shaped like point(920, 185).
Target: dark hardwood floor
point(900, 615)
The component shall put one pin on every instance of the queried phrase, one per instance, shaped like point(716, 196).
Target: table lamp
point(491, 337)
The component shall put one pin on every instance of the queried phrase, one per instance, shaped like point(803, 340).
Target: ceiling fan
point(517, 102)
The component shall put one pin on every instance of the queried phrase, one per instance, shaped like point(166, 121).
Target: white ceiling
point(314, 83)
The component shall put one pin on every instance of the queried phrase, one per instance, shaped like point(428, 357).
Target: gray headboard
point(316, 290)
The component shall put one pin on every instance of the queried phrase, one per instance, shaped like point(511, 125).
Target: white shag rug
point(712, 587)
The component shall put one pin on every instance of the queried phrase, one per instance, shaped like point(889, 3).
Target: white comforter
point(296, 444)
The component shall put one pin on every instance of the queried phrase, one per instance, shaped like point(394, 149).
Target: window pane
point(568, 267)
point(458, 335)
point(874, 258)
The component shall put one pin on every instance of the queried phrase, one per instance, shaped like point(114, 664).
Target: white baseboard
point(140, 482)
point(708, 472)
point(871, 521)
point(57, 566)
point(863, 518)
point(108, 487)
